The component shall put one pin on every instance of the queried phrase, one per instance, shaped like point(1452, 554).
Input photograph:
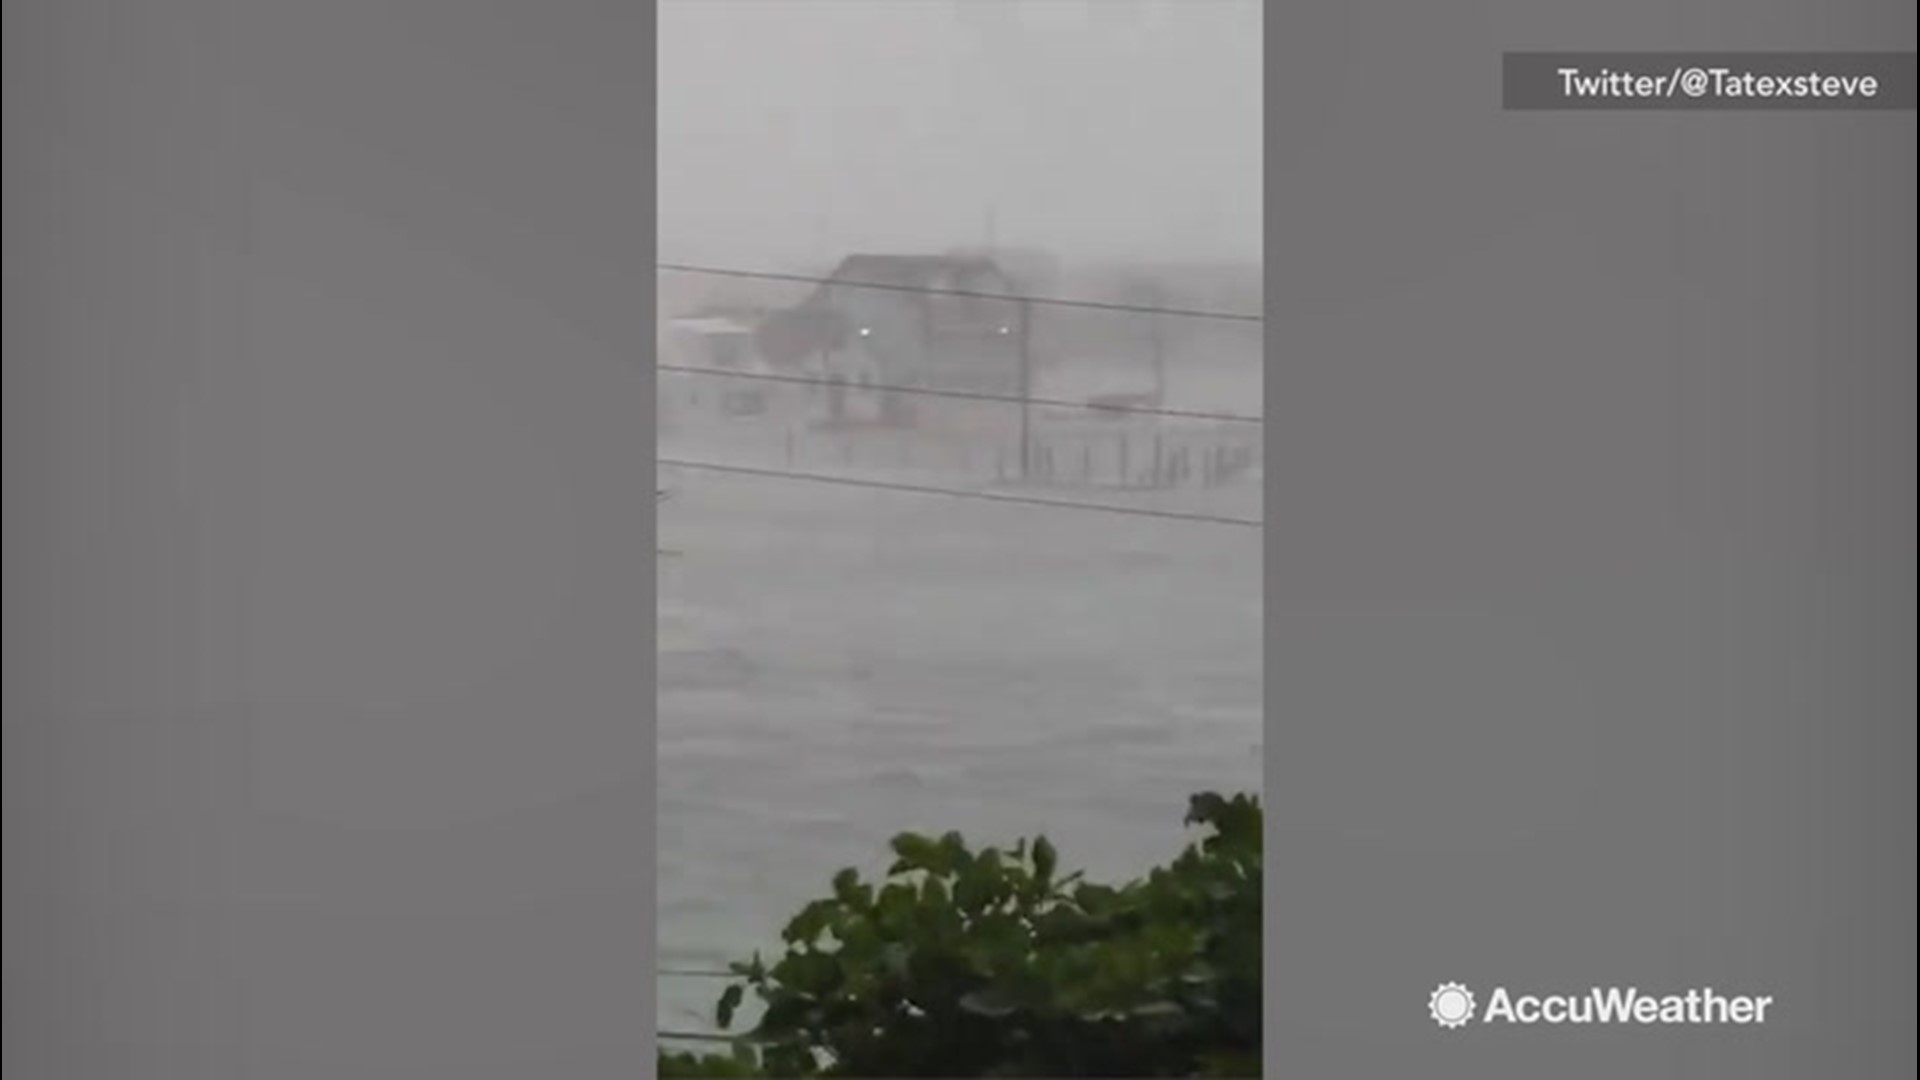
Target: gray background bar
point(1534, 81)
point(329, 612)
point(1591, 579)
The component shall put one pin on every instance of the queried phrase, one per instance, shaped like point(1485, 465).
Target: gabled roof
point(913, 271)
point(713, 324)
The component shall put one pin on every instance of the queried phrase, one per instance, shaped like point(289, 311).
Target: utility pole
point(1025, 344)
point(1150, 294)
point(1159, 361)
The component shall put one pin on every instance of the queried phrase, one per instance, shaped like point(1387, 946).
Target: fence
point(1099, 454)
point(1133, 457)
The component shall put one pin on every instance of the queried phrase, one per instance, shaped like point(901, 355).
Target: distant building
point(896, 320)
point(716, 341)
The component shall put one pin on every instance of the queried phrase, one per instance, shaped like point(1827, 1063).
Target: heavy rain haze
point(1117, 130)
point(1057, 628)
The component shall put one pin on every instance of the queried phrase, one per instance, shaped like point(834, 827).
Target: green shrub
point(964, 963)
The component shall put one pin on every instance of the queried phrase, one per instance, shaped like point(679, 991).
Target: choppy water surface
point(837, 665)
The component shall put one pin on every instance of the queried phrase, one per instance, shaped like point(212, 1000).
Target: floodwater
point(837, 665)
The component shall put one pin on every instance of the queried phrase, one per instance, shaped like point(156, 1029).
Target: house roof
point(795, 334)
point(713, 324)
point(913, 271)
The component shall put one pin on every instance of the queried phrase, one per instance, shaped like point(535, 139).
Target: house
point(715, 341)
point(936, 321)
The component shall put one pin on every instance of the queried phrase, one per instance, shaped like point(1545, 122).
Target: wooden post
point(1159, 359)
point(1025, 344)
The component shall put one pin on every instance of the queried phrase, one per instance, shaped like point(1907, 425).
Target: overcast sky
point(797, 130)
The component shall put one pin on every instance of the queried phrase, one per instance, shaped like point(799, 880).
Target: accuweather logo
point(1453, 1006)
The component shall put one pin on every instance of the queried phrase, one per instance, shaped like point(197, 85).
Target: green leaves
point(1235, 823)
point(1097, 900)
point(990, 962)
point(915, 852)
point(813, 921)
point(1045, 861)
point(979, 884)
point(945, 856)
point(728, 1004)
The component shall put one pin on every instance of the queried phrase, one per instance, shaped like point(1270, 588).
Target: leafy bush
point(964, 963)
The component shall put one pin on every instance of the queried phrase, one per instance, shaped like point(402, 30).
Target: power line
point(962, 493)
point(965, 395)
point(1043, 301)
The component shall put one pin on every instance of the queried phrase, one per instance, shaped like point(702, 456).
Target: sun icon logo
point(1451, 1005)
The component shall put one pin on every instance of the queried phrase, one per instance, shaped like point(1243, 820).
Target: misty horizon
point(791, 134)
